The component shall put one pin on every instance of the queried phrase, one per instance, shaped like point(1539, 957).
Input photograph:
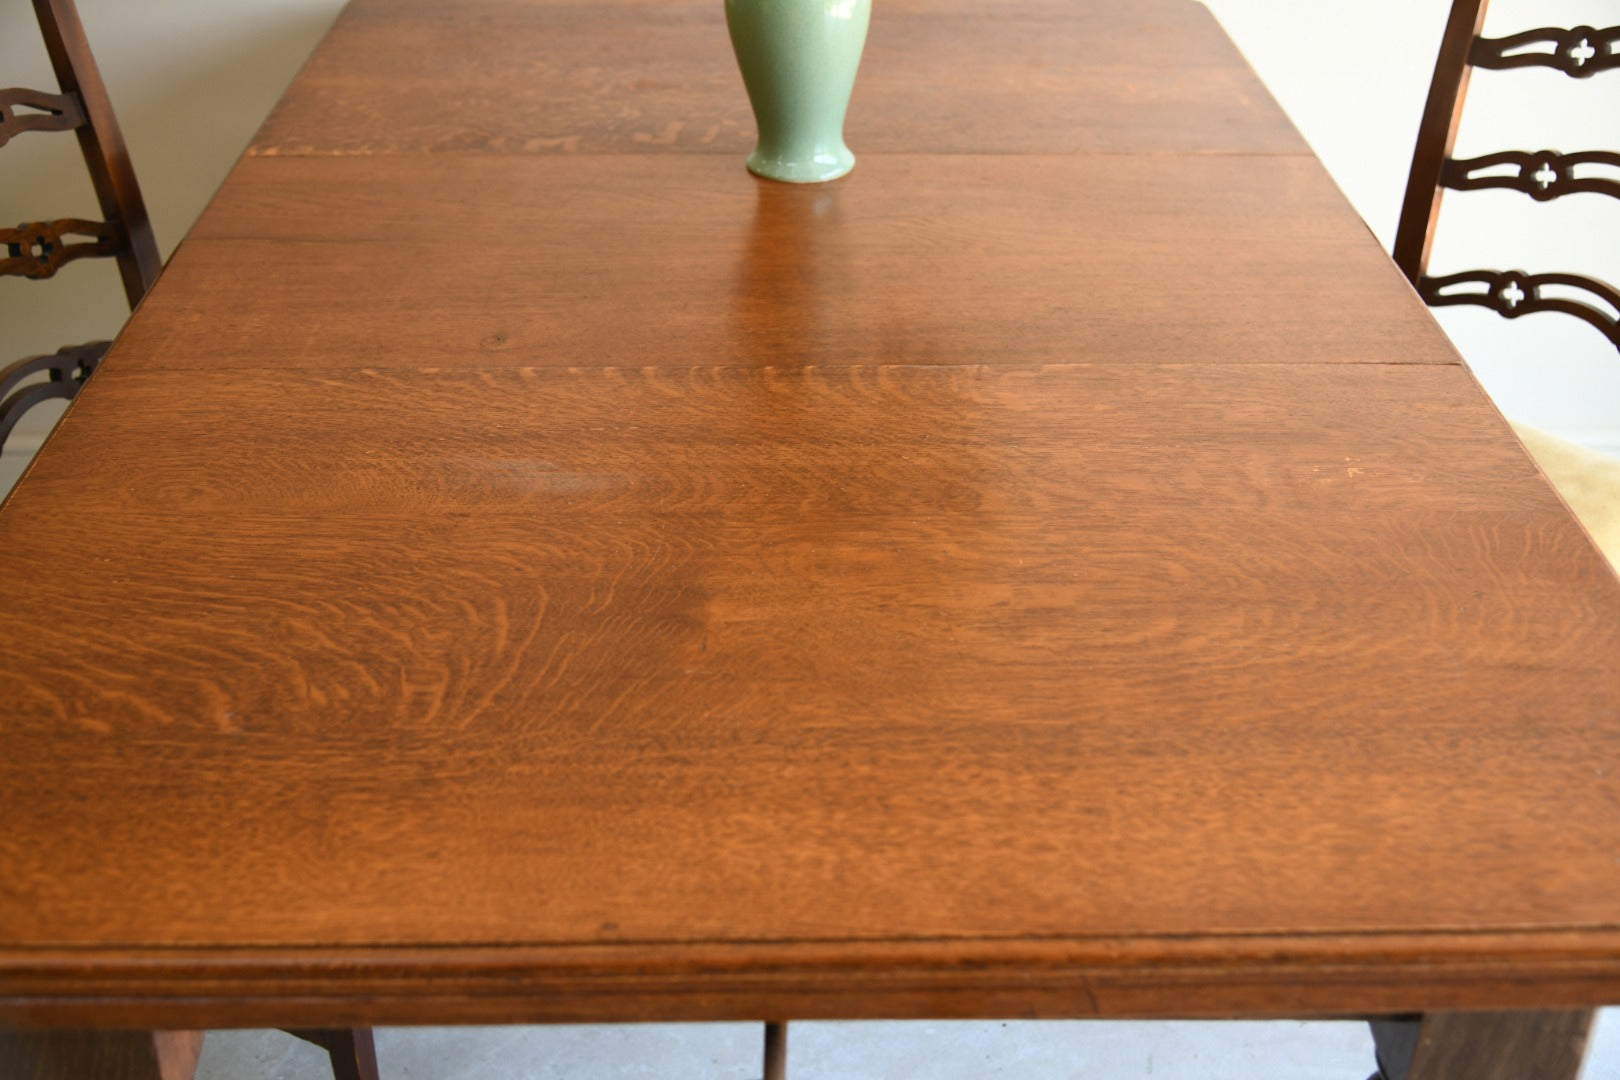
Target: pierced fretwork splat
point(67, 370)
point(1513, 293)
point(1543, 175)
point(40, 248)
point(34, 110)
point(1579, 52)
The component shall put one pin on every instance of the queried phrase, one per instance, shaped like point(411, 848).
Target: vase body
point(798, 60)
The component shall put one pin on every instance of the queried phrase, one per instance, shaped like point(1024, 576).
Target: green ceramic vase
point(798, 60)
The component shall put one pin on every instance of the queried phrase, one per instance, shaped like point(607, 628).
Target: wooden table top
point(512, 568)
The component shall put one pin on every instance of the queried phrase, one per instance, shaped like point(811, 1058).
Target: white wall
point(192, 79)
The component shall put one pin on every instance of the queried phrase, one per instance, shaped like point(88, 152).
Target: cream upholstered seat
point(1588, 481)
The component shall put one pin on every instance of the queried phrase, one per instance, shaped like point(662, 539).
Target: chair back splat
point(39, 249)
point(1579, 52)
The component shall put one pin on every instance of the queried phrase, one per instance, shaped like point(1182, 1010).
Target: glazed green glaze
point(798, 60)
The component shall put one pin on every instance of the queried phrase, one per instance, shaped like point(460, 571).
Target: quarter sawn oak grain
point(577, 672)
point(658, 77)
point(516, 261)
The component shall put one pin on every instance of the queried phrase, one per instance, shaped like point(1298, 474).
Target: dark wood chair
point(1579, 52)
point(38, 250)
point(1590, 482)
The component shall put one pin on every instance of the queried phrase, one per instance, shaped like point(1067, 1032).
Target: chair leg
point(776, 1051)
point(177, 1053)
point(353, 1050)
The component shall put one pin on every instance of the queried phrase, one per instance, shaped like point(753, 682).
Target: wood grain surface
point(500, 261)
point(656, 76)
point(771, 657)
point(1059, 570)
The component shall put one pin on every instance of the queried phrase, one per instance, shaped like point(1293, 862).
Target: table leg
point(776, 1051)
point(1540, 1045)
point(101, 1055)
point(353, 1050)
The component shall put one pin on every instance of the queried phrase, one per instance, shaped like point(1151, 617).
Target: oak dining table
point(518, 567)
